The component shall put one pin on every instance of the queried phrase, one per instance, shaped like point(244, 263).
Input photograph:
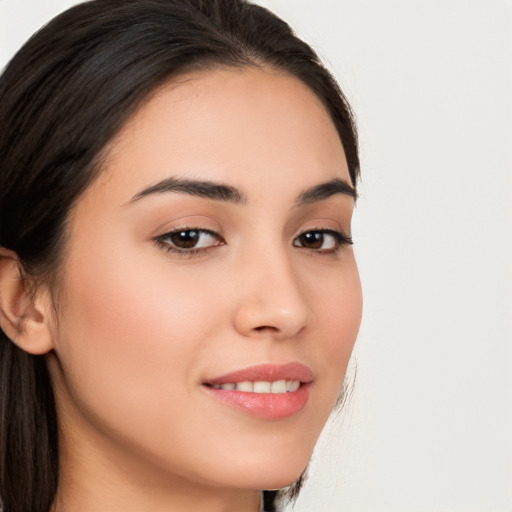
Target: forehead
point(246, 127)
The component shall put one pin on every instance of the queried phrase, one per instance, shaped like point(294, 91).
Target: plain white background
point(429, 427)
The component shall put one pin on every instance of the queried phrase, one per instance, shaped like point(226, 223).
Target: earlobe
point(24, 317)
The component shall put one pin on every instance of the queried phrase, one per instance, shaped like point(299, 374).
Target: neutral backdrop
point(429, 426)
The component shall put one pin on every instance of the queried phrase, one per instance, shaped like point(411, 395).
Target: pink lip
point(267, 372)
point(268, 406)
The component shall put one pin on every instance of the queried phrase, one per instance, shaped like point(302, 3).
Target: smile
point(276, 387)
point(267, 391)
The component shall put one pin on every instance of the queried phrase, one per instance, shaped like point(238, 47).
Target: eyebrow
point(229, 194)
point(206, 189)
point(326, 190)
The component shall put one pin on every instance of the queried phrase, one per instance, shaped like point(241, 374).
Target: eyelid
point(162, 241)
point(184, 222)
point(326, 229)
point(341, 238)
point(328, 224)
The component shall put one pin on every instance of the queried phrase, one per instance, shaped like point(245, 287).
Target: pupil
point(314, 240)
point(185, 239)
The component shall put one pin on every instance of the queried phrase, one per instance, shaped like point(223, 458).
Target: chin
point(270, 474)
point(279, 483)
point(272, 459)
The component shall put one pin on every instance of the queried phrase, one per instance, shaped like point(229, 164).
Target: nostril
point(264, 327)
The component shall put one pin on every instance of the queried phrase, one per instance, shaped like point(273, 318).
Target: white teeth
point(262, 387)
point(245, 386)
point(292, 385)
point(277, 387)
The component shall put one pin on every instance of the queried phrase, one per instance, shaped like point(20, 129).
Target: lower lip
point(268, 406)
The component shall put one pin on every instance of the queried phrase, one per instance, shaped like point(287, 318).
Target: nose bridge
point(271, 298)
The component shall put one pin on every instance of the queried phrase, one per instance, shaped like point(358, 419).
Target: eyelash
point(163, 242)
point(340, 238)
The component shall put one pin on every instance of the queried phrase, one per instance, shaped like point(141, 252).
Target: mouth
point(276, 387)
point(266, 391)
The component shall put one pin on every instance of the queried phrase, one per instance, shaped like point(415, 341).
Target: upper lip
point(266, 372)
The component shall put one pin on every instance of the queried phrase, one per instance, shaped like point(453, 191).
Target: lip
point(267, 372)
point(267, 406)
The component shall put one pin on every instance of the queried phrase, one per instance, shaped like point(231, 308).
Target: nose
point(271, 302)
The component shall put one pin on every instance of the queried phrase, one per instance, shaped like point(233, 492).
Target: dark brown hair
point(63, 97)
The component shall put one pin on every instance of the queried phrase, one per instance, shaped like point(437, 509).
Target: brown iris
point(311, 239)
point(186, 239)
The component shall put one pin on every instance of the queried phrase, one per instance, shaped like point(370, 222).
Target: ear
point(24, 317)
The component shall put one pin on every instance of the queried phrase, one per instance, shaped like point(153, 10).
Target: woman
point(179, 297)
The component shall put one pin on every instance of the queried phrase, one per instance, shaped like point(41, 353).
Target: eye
point(322, 240)
point(189, 240)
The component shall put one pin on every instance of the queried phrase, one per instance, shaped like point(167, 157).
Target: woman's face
point(210, 253)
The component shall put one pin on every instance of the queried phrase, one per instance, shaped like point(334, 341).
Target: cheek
point(341, 312)
point(131, 333)
point(338, 306)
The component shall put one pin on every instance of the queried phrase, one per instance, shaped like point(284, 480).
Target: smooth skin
point(143, 318)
